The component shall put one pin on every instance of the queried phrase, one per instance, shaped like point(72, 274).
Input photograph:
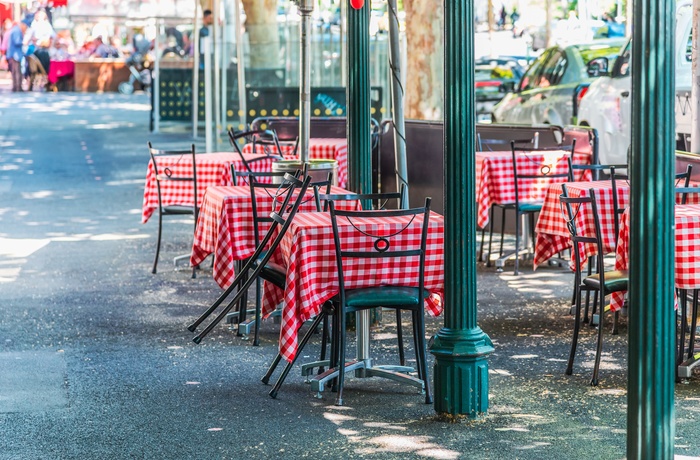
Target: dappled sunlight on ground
point(14, 254)
point(383, 437)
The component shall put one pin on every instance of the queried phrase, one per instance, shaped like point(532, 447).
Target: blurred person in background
point(15, 53)
point(4, 41)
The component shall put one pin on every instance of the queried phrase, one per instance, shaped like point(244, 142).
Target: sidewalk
point(97, 361)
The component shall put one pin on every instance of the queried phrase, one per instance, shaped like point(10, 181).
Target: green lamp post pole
point(358, 100)
point(650, 412)
point(460, 347)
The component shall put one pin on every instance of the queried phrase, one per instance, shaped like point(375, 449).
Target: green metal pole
point(460, 347)
point(358, 101)
point(652, 324)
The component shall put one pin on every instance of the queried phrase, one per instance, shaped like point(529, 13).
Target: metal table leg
point(363, 364)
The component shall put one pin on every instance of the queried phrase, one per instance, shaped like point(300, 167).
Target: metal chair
point(258, 264)
point(323, 200)
point(602, 283)
point(523, 163)
point(264, 138)
point(163, 175)
point(406, 297)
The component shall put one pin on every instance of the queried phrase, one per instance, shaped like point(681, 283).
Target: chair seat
point(178, 209)
point(530, 207)
point(275, 274)
point(384, 296)
point(615, 280)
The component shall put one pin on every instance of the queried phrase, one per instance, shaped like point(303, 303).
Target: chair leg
point(503, 229)
point(683, 299)
point(577, 327)
point(488, 258)
point(599, 347)
point(324, 343)
point(693, 324)
point(302, 344)
point(421, 354)
point(341, 355)
point(399, 335)
point(517, 242)
point(258, 301)
point(160, 230)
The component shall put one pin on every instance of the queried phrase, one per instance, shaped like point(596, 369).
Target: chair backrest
point(362, 237)
point(683, 184)
point(263, 137)
point(379, 200)
point(163, 174)
point(685, 191)
point(265, 177)
point(572, 207)
point(487, 144)
point(609, 170)
point(529, 167)
point(269, 200)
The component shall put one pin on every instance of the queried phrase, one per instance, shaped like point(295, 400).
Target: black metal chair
point(545, 171)
point(323, 200)
point(577, 171)
point(406, 297)
point(165, 174)
point(601, 283)
point(258, 265)
point(264, 138)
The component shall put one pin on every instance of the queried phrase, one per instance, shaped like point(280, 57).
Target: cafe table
point(225, 226)
point(307, 251)
point(553, 236)
point(686, 258)
point(212, 169)
point(319, 149)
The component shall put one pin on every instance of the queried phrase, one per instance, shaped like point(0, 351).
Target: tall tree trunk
point(425, 57)
point(263, 35)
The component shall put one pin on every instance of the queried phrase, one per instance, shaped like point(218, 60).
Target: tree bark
point(425, 58)
point(263, 35)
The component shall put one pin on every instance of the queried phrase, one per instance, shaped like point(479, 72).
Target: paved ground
point(96, 362)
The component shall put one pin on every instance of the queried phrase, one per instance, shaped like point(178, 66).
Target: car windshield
point(588, 53)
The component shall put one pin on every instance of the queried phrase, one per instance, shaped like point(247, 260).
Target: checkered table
point(212, 169)
point(319, 148)
point(307, 250)
point(552, 234)
point(225, 227)
point(687, 249)
point(495, 178)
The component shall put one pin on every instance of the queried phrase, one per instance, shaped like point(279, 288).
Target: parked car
point(606, 105)
point(494, 77)
point(550, 87)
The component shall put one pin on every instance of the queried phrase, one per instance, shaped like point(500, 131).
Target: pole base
point(461, 372)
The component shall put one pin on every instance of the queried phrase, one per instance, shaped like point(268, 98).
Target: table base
point(362, 365)
point(685, 369)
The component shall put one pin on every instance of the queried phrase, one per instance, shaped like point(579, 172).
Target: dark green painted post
point(358, 100)
point(460, 347)
point(650, 412)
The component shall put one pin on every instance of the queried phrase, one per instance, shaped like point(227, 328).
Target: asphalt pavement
point(96, 361)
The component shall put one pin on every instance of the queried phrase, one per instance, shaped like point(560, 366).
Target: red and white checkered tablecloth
point(308, 252)
point(319, 148)
point(212, 169)
point(225, 226)
point(495, 178)
point(552, 234)
point(687, 250)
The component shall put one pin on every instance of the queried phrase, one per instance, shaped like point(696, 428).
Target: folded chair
point(163, 175)
point(258, 264)
point(260, 194)
point(601, 283)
